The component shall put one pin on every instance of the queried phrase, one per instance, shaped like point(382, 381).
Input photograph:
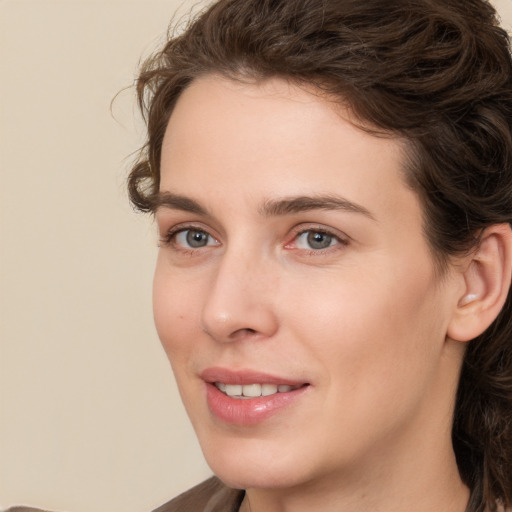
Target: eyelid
point(342, 239)
point(167, 235)
point(166, 238)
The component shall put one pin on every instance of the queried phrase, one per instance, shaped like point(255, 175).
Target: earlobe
point(487, 278)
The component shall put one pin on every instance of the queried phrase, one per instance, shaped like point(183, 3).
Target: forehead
point(258, 140)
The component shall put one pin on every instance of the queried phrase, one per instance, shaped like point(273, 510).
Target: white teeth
point(253, 390)
point(268, 389)
point(233, 389)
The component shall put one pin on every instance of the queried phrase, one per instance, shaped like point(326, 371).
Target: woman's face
point(293, 270)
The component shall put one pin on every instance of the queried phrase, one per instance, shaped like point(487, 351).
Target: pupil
point(319, 240)
point(197, 238)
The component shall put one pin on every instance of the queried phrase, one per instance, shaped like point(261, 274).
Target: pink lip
point(250, 411)
point(242, 377)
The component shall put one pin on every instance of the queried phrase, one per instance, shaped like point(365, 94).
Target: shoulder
point(25, 509)
point(210, 496)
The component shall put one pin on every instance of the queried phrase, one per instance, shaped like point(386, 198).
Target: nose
point(239, 304)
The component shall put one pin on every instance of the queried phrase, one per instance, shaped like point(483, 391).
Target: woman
point(332, 185)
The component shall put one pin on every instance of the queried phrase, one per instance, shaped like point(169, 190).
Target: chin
point(244, 466)
point(255, 479)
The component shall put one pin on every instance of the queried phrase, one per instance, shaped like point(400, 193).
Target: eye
point(313, 240)
point(193, 238)
point(316, 240)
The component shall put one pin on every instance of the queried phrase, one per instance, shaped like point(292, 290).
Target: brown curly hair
point(437, 73)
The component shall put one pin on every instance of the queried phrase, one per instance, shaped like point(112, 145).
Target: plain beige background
point(90, 420)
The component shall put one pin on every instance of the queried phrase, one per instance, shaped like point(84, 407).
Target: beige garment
point(209, 496)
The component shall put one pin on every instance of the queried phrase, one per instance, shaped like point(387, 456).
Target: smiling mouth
point(246, 391)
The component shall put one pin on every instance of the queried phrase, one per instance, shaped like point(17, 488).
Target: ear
point(487, 278)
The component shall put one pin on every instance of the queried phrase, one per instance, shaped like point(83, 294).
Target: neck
point(382, 489)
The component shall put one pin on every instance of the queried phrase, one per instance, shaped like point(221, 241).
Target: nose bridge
point(240, 298)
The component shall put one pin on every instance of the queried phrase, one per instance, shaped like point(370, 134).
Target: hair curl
point(437, 73)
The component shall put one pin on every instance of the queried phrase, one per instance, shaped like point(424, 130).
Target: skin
point(363, 321)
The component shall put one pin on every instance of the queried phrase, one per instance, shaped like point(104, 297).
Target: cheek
point(177, 321)
point(376, 351)
point(369, 326)
point(173, 311)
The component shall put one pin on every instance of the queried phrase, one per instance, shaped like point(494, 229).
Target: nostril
point(244, 331)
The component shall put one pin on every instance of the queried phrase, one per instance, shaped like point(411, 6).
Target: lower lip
point(248, 411)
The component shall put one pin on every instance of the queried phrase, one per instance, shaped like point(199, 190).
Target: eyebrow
point(269, 208)
point(177, 202)
point(298, 204)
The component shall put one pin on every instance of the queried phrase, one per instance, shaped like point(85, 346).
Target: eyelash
point(169, 239)
point(340, 241)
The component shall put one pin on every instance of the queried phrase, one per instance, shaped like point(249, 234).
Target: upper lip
point(245, 377)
